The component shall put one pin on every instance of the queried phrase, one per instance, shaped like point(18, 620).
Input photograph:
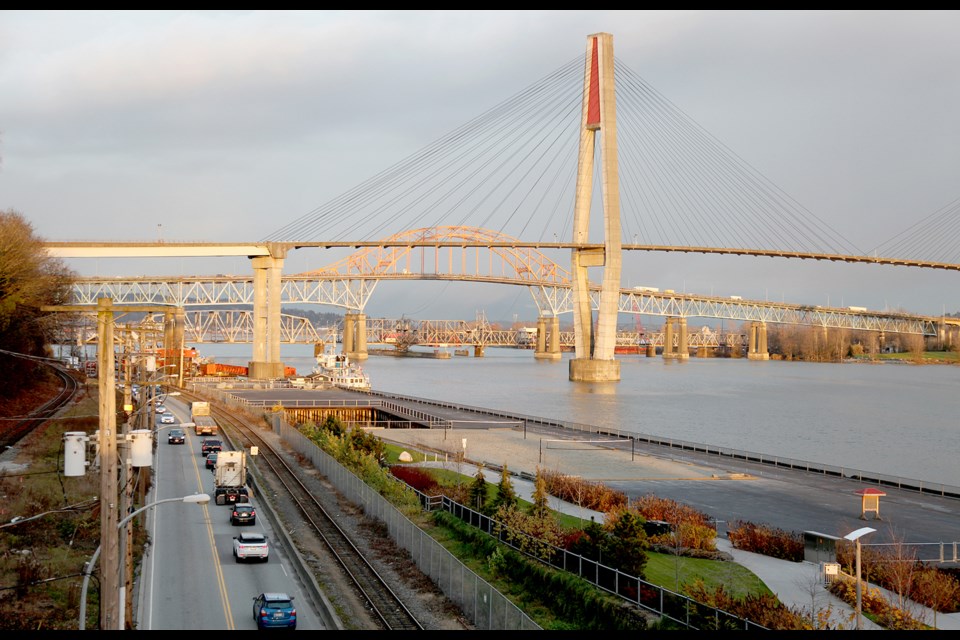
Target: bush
point(873, 602)
point(693, 527)
point(417, 478)
point(776, 543)
point(589, 495)
point(762, 609)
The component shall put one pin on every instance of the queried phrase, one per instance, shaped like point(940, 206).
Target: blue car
point(274, 610)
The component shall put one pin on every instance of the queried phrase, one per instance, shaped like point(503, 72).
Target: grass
point(42, 559)
point(937, 357)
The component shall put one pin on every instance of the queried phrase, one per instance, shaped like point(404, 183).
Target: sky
point(224, 126)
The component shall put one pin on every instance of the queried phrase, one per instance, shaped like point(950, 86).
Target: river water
point(896, 419)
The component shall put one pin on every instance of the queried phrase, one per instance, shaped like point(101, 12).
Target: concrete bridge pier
point(173, 343)
point(346, 342)
point(668, 338)
point(266, 363)
point(548, 341)
point(355, 336)
point(757, 347)
point(680, 350)
point(541, 349)
point(553, 339)
point(360, 339)
point(478, 351)
point(683, 343)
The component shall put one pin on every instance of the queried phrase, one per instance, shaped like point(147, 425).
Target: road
point(190, 579)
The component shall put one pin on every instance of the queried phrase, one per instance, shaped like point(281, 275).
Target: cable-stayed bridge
point(519, 180)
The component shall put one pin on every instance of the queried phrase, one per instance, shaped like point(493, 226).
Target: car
point(243, 513)
point(168, 418)
point(210, 444)
point(211, 462)
point(176, 436)
point(251, 546)
point(274, 610)
point(160, 409)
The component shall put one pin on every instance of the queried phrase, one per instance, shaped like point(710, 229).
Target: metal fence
point(663, 602)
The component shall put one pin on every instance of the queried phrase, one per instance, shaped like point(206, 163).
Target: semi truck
point(230, 478)
point(203, 422)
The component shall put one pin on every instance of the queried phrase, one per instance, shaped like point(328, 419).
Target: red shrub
point(417, 478)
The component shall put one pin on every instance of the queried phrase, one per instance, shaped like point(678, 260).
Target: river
point(895, 419)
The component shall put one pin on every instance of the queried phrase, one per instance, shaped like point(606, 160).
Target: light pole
point(854, 536)
point(195, 498)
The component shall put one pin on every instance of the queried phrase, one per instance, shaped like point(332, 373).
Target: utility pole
point(109, 561)
point(126, 497)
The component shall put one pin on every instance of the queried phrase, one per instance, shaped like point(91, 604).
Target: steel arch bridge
point(484, 256)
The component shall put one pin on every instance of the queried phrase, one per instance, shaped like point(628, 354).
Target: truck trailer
point(203, 421)
point(230, 478)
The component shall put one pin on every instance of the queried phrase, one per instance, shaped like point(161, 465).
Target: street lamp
point(854, 536)
point(195, 498)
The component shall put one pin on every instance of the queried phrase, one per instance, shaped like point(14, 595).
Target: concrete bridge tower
point(594, 359)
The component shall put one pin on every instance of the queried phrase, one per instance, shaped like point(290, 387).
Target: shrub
point(777, 543)
point(762, 609)
point(693, 527)
point(873, 602)
point(417, 478)
point(589, 495)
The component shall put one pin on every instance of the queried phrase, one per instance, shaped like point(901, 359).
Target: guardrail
point(631, 437)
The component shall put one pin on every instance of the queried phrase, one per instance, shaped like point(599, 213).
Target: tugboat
point(337, 369)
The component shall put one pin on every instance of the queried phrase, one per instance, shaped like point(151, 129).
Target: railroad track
point(386, 606)
point(13, 431)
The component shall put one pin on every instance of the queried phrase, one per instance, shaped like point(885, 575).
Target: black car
point(243, 513)
point(176, 436)
point(209, 445)
point(211, 462)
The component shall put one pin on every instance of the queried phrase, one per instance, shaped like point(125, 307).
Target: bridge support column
point(541, 349)
point(651, 350)
point(595, 359)
point(176, 359)
point(553, 338)
point(168, 341)
point(683, 345)
point(359, 351)
point(173, 344)
point(478, 351)
point(757, 349)
point(349, 324)
point(266, 363)
point(675, 342)
point(668, 349)
point(548, 340)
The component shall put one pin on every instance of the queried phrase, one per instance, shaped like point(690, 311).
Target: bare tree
point(900, 562)
point(812, 585)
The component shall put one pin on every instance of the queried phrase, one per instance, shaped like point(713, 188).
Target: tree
point(541, 505)
point(625, 547)
point(478, 490)
point(506, 496)
point(29, 280)
point(591, 541)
